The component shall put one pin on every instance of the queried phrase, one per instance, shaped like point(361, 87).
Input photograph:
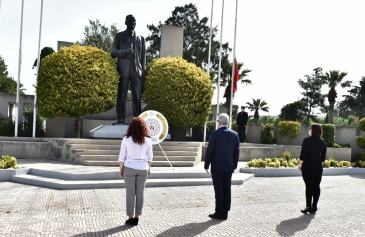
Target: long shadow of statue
point(107, 232)
point(289, 227)
point(191, 229)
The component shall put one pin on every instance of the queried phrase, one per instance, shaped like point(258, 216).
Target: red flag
point(236, 76)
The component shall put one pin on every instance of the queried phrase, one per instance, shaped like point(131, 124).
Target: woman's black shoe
point(306, 210)
point(313, 210)
point(135, 221)
point(130, 221)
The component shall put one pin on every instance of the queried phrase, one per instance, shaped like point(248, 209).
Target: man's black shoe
point(218, 217)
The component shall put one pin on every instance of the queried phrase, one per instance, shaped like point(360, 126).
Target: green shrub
point(198, 131)
point(267, 134)
point(7, 127)
point(360, 156)
point(326, 164)
point(362, 124)
point(27, 126)
point(329, 134)
point(287, 156)
point(285, 164)
point(346, 145)
point(361, 164)
point(8, 162)
point(360, 141)
point(76, 81)
point(344, 164)
point(179, 90)
point(289, 128)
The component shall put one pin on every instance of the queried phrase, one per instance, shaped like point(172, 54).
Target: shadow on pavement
point(289, 227)
point(105, 232)
point(191, 229)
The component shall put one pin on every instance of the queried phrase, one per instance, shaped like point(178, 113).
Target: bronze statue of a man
point(130, 50)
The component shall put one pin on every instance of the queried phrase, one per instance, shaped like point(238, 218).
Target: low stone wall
point(253, 151)
point(290, 172)
point(343, 135)
point(26, 148)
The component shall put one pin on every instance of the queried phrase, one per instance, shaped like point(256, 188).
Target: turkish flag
point(236, 76)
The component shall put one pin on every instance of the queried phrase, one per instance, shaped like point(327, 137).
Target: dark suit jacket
point(139, 53)
point(242, 119)
point(223, 151)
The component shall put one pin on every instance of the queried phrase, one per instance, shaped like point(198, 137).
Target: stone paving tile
point(261, 207)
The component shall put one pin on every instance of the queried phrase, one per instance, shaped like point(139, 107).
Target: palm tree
point(243, 74)
point(257, 105)
point(333, 79)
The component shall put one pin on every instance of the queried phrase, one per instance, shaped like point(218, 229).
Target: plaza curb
point(292, 172)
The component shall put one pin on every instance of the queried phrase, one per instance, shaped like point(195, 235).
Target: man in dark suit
point(241, 121)
point(130, 50)
point(222, 154)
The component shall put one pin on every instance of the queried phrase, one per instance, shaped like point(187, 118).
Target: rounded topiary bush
point(362, 124)
point(76, 81)
point(179, 90)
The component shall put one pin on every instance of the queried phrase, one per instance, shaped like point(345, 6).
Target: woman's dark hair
point(138, 130)
point(316, 130)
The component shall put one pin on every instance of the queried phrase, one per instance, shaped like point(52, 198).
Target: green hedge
point(25, 128)
point(362, 124)
point(329, 134)
point(289, 128)
point(267, 134)
point(198, 131)
point(360, 141)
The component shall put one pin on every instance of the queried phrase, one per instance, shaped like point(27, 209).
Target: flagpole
point(36, 80)
point(220, 63)
point(19, 69)
point(208, 69)
point(234, 56)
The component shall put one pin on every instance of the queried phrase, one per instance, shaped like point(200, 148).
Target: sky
point(280, 41)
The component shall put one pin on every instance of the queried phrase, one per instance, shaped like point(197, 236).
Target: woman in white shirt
point(135, 160)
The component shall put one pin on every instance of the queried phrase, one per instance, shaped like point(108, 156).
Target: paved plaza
point(260, 207)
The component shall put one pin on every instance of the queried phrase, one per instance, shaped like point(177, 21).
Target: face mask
point(242, 110)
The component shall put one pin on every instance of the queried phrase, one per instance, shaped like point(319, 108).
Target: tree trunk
point(228, 105)
point(77, 130)
point(256, 116)
point(330, 113)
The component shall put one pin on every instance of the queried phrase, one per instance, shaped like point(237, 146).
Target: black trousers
point(312, 180)
point(222, 187)
point(242, 133)
point(136, 88)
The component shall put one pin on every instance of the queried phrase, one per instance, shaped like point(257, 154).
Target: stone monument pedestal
point(109, 131)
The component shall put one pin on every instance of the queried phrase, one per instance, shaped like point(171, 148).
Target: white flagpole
point(234, 57)
point(36, 80)
point(19, 69)
point(220, 63)
point(208, 69)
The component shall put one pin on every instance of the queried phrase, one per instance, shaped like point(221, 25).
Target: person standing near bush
point(241, 122)
point(312, 156)
point(222, 153)
point(135, 160)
